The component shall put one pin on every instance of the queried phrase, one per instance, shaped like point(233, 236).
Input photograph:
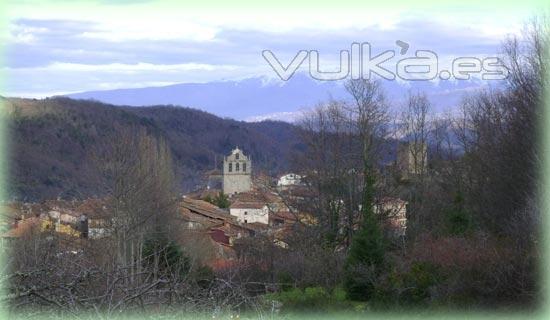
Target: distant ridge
point(53, 139)
point(262, 98)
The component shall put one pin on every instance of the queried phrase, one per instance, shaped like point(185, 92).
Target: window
point(237, 166)
point(237, 155)
point(244, 167)
point(230, 167)
point(245, 213)
point(245, 221)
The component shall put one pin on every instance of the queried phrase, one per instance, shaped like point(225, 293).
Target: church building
point(237, 169)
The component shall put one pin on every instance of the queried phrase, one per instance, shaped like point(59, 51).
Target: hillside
point(52, 143)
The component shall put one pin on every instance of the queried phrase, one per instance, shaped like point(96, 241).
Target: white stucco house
point(289, 179)
point(395, 212)
point(250, 212)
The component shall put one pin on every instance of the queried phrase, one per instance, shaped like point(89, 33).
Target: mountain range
point(261, 98)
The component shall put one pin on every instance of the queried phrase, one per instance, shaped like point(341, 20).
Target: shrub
point(311, 298)
point(208, 198)
point(204, 276)
point(417, 283)
point(221, 200)
point(458, 221)
point(411, 287)
point(285, 280)
point(170, 256)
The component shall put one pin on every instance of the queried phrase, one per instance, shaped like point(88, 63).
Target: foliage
point(221, 200)
point(410, 288)
point(296, 299)
point(204, 275)
point(365, 259)
point(285, 280)
point(54, 140)
point(166, 256)
point(208, 198)
point(458, 221)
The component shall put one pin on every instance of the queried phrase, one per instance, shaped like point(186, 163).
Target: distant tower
point(412, 158)
point(237, 170)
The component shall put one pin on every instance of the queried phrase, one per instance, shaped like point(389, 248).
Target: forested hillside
point(53, 143)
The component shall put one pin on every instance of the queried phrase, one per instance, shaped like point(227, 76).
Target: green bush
point(410, 288)
point(315, 299)
point(208, 198)
point(339, 294)
point(458, 221)
point(311, 298)
point(170, 256)
point(204, 275)
point(221, 200)
point(418, 281)
point(285, 280)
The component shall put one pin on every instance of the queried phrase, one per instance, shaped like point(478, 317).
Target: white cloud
point(166, 29)
point(125, 68)
point(23, 34)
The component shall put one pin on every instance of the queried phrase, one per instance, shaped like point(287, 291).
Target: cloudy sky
point(64, 46)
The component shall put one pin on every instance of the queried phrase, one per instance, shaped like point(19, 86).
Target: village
point(166, 161)
point(250, 206)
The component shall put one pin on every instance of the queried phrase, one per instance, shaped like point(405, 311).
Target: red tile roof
point(247, 205)
point(23, 227)
point(286, 215)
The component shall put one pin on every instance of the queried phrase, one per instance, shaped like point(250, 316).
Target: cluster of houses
point(254, 208)
point(253, 211)
point(89, 220)
point(78, 219)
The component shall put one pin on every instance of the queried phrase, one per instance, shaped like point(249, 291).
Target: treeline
point(473, 217)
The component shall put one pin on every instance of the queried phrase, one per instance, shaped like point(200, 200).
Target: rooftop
point(247, 205)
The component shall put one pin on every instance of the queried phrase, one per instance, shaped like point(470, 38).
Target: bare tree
point(142, 197)
point(343, 141)
point(329, 167)
point(499, 133)
point(415, 127)
point(414, 122)
point(370, 113)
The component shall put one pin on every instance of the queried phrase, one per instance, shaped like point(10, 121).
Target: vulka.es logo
point(359, 62)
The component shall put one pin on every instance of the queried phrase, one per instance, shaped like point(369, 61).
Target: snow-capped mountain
point(260, 98)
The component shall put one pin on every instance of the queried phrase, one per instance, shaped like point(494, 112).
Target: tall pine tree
point(366, 254)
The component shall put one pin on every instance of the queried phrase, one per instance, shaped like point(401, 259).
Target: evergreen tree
point(164, 256)
point(458, 220)
point(366, 254)
point(221, 200)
